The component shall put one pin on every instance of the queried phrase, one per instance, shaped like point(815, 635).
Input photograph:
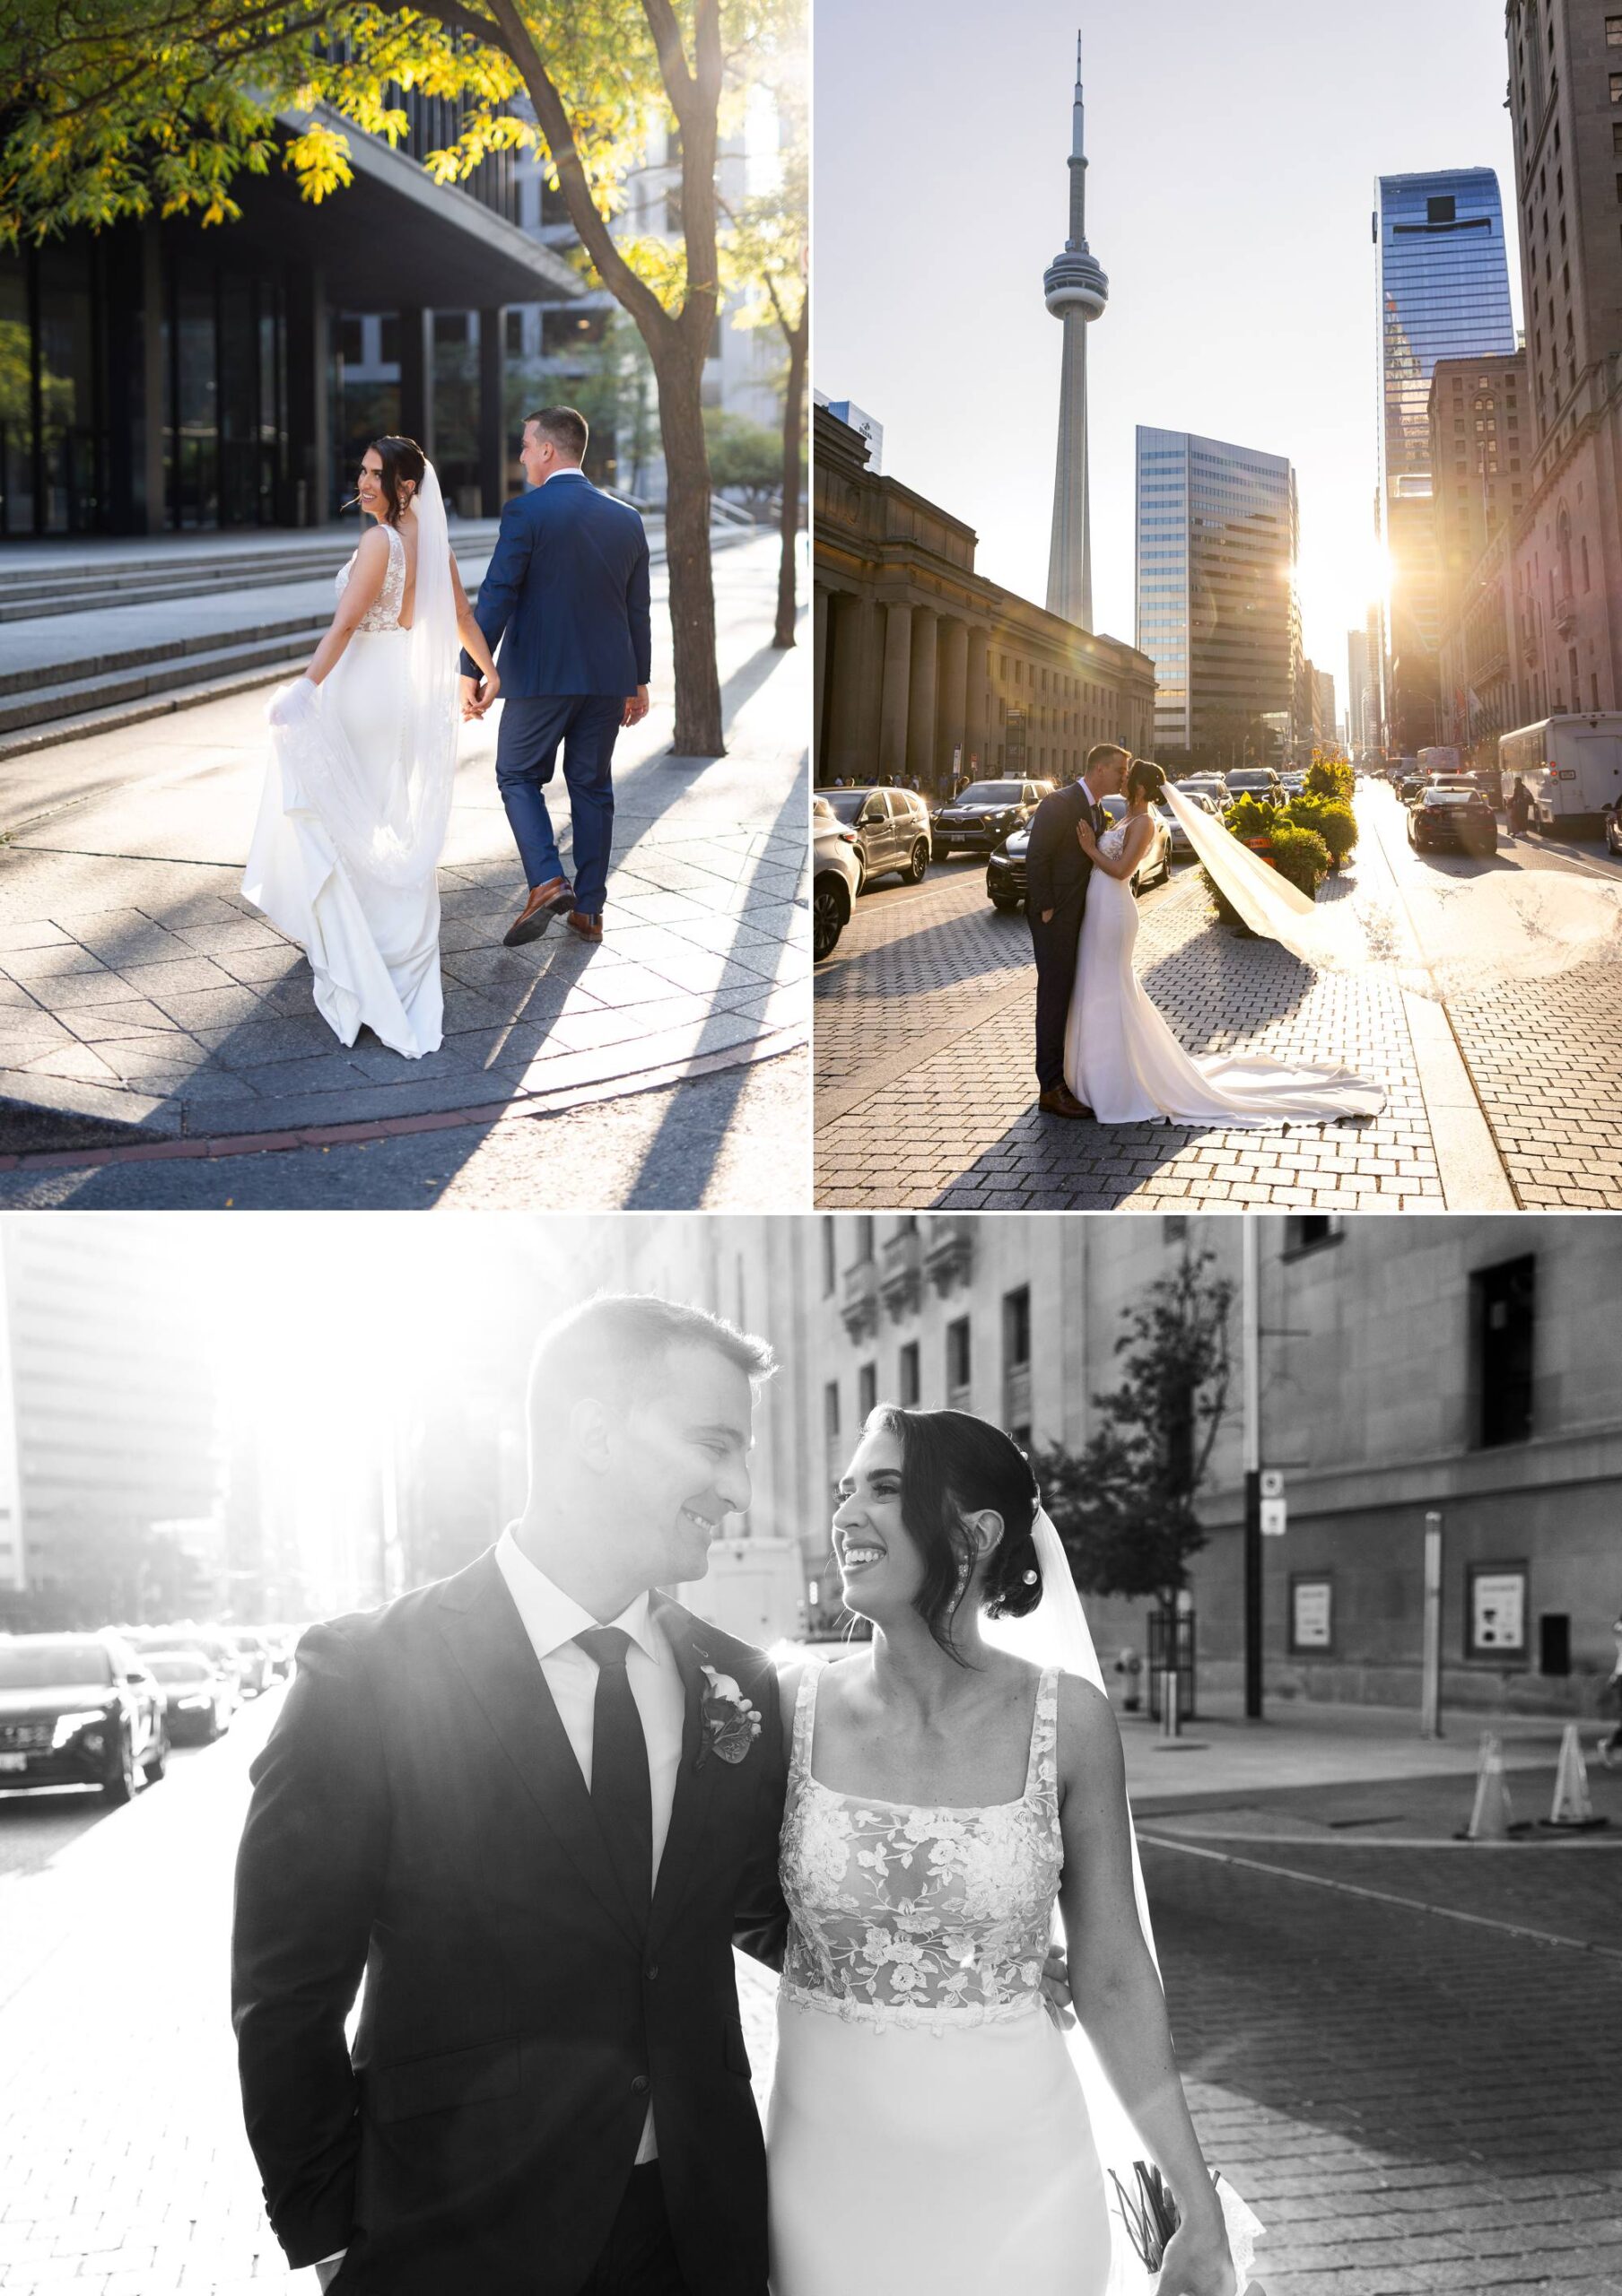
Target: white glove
point(293, 704)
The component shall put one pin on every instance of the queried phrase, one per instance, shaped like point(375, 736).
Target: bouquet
point(1151, 2217)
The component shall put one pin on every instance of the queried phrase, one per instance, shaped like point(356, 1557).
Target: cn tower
point(1076, 292)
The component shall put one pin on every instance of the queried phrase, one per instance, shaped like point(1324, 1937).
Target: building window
point(958, 1361)
point(831, 1411)
point(1174, 1228)
point(829, 1257)
point(908, 1379)
point(1439, 211)
point(1502, 1308)
point(1616, 87)
point(864, 1238)
point(1308, 1231)
point(867, 1390)
point(351, 348)
point(1015, 1328)
point(1613, 32)
point(515, 335)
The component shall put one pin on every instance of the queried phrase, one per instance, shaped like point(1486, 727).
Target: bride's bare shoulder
point(1089, 1737)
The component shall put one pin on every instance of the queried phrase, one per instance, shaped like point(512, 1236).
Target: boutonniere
point(730, 1724)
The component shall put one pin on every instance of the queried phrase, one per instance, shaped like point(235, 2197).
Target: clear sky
point(1232, 148)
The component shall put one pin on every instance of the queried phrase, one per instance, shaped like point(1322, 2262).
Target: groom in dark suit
point(533, 1805)
point(568, 589)
point(1057, 872)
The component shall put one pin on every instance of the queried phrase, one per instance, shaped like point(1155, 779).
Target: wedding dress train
point(927, 2128)
point(1123, 1061)
point(356, 801)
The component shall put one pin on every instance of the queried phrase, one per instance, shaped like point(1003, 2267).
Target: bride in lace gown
point(356, 801)
point(1120, 1058)
point(927, 2128)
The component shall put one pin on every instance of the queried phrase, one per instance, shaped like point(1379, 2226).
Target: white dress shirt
point(552, 1618)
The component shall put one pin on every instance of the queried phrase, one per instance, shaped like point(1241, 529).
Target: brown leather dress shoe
point(1059, 1099)
point(553, 899)
point(588, 927)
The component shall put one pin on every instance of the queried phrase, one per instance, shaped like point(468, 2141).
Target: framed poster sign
point(1312, 1612)
point(1494, 1610)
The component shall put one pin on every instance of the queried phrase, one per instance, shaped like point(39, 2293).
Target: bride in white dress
point(928, 2126)
point(345, 852)
point(1122, 1060)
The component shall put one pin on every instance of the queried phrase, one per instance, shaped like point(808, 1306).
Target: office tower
point(1217, 608)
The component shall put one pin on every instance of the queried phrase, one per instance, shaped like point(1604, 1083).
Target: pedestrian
point(1606, 1747)
point(1520, 807)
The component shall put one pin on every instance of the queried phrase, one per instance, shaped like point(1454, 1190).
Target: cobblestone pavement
point(138, 989)
point(925, 1095)
point(1412, 2103)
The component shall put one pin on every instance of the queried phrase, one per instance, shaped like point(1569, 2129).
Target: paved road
point(1491, 1013)
point(1412, 2103)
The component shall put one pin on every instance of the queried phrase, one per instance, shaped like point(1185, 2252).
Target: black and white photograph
point(733, 1753)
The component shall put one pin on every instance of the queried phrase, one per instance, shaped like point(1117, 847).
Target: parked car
point(1209, 784)
point(79, 1710)
point(1207, 803)
point(837, 877)
point(1459, 820)
point(1410, 788)
point(1006, 869)
point(979, 817)
point(1293, 784)
point(199, 1697)
point(892, 828)
point(1256, 782)
point(226, 1658)
point(255, 1656)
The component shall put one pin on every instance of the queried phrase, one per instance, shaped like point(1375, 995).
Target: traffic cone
point(1490, 1820)
point(1573, 1808)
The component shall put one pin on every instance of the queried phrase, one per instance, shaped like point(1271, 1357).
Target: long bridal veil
point(1056, 1634)
point(392, 828)
point(1331, 938)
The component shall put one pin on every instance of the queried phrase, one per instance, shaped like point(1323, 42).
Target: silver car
point(891, 829)
point(837, 877)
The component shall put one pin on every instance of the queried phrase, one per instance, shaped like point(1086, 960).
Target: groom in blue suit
point(567, 592)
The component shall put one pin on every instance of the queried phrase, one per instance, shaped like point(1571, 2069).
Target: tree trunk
point(794, 406)
point(698, 694)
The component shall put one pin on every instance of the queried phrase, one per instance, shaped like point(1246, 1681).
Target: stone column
point(974, 718)
point(416, 376)
point(892, 707)
point(154, 377)
point(920, 699)
point(852, 708)
point(950, 732)
point(822, 611)
point(493, 413)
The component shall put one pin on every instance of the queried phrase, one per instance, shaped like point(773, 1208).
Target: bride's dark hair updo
point(953, 1466)
point(402, 458)
point(1145, 780)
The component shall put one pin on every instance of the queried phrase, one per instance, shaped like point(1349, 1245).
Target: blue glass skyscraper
point(1442, 280)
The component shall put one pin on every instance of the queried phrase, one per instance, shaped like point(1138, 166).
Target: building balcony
point(949, 1253)
point(900, 1272)
point(1566, 615)
point(858, 1298)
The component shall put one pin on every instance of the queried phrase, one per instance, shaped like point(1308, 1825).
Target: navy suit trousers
point(532, 726)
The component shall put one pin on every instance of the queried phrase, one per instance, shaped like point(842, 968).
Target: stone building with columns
point(927, 670)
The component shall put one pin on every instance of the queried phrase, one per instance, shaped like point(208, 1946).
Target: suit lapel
point(486, 1636)
point(694, 1788)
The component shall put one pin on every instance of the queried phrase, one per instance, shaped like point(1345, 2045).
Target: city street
point(1398, 2047)
point(150, 1017)
point(1491, 1010)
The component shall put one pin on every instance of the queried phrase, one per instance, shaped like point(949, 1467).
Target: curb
point(330, 1136)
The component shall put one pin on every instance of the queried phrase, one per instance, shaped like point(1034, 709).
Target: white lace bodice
point(905, 1914)
point(384, 613)
point(1113, 839)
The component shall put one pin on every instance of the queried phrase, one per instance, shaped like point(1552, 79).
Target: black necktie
point(621, 1794)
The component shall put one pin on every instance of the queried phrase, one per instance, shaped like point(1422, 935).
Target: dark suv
point(79, 1710)
point(979, 817)
point(892, 828)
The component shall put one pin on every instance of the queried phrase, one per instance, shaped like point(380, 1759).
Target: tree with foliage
point(743, 454)
point(137, 108)
point(1124, 1506)
point(768, 252)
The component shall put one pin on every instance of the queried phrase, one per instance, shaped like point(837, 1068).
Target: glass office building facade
point(1443, 285)
point(1217, 606)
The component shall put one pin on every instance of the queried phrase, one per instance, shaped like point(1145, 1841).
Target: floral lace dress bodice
point(901, 1914)
point(384, 613)
point(1112, 840)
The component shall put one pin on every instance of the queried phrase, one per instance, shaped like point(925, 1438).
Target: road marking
point(1386, 1897)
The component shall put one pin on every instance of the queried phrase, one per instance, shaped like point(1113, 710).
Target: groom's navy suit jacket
point(568, 590)
point(1057, 874)
point(419, 1819)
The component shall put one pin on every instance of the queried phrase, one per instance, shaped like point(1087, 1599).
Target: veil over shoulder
point(1056, 1634)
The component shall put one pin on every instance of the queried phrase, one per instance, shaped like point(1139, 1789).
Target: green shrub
point(1301, 855)
point(1331, 778)
point(1335, 823)
point(1298, 853)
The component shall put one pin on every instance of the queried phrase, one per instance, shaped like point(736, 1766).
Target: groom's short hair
point(566, 427)
point(1101, 752)
point(611, 1348)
